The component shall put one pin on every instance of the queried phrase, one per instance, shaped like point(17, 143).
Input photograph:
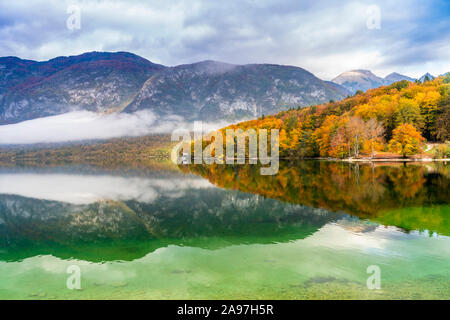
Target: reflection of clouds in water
point(336, 236)
point(377, 241)
point(99, 273)
point(85, 189)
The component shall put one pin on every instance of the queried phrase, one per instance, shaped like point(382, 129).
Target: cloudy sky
point(324, 37)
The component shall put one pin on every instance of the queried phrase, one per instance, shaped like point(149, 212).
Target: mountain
point(211, 90)
point(355, 80)
point(363, 80)
point(340, 88)
point(112, 82)
point(395, 77)
point(96, 81)
point(430, 77)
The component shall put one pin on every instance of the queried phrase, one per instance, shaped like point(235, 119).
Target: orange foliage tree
point(406, 140)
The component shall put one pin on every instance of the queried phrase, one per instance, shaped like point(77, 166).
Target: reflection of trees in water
point(361, 189)
point(408, 181)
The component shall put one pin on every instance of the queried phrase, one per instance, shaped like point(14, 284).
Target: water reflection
point(410, 196)
point(106, 217)
point(309, 232)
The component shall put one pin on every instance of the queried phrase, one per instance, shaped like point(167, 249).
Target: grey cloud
point(325, 37)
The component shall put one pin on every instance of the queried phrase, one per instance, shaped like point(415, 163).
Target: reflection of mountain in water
point(125, 230)
point(123, 217)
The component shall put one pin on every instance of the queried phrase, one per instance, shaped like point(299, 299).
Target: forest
point(394, 120)
point(131, 151)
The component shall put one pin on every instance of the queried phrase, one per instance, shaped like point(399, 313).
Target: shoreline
point(92, 158)
point(384, 159)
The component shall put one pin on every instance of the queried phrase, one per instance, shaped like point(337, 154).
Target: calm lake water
point(188, 232)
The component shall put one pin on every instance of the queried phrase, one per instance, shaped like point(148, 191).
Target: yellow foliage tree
point(406, 140)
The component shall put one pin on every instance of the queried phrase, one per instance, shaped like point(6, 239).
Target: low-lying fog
point(86, 125)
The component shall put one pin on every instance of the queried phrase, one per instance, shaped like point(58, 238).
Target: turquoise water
point(218, 233)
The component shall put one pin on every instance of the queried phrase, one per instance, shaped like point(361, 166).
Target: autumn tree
point(291, 122)
point(408, 111)
point(355, 129)
point(339, 144)
point(323, 135)
point(443, 125)
point(373, 132)
point(406, 140)
point(447, 78)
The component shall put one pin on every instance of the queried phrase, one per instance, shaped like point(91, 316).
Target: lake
point(225, 232)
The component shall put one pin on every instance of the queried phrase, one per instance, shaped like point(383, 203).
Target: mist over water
point(86, 125)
